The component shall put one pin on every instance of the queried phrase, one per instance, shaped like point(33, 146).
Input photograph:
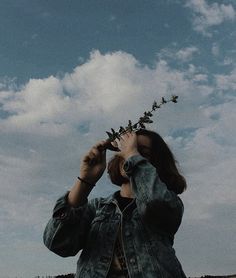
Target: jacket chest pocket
point(100, 223)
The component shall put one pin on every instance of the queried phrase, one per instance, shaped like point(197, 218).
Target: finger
point(130, 133)
point(101, 146)
point(91, 155)
point(111, 145)
point(118, 143)
point(122, 137)
point(127, 133)
point(114, 143)
point(86, 158)
point(92, 160)
point(94, 153)
point(98, 145)
point(98, 154)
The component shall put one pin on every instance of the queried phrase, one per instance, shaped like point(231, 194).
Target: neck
point(126, 190)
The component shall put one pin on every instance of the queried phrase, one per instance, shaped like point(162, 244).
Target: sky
point(72, 70)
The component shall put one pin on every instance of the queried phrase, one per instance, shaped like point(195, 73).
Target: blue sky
point(70, 70)
point(53, 36)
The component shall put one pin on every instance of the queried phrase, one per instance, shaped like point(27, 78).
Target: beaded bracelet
point(86, 182)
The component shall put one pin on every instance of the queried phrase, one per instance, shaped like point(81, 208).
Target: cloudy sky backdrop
point(70, 70)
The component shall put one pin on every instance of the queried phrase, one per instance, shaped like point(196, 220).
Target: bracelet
point(86, 182)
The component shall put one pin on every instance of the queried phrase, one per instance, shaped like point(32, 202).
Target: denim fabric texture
point(147, 230)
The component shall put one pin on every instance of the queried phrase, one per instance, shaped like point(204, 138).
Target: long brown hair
point(161, 158)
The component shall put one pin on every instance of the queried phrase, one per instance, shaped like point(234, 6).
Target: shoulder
point(98, 201)
point(181, 203)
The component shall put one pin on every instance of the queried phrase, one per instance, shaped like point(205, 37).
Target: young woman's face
point(144, 148)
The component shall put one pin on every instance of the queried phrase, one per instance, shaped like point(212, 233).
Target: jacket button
point(132, 260)
point(104, 259)
point(127, 233)
point(117, 216)
point(62, 215)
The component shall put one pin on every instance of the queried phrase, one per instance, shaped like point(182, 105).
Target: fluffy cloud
point(208, 14)
point(182, 55)
point(50, 123)
point(186, 53)
point(215, 49)
point(226, 82)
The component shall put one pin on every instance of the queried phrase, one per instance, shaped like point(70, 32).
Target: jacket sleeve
point(159, 207)
point(67, 230)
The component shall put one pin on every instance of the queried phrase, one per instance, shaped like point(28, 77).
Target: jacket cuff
point(63, 210)
point(131, 162)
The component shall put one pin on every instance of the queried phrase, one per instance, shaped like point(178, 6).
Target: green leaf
point(142, 125)
point(146, 120)
point(154, 106)
point(174, 99)
point(141, 119)
point(116, 135)
point(109, 134)
point(121, 129)
point(163, 100)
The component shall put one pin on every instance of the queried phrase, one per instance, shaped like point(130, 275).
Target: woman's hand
point(94, 163)
point(128, 144)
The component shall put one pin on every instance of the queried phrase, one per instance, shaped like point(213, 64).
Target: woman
point(131, 232)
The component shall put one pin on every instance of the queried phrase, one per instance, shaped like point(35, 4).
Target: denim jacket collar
point(109, 199)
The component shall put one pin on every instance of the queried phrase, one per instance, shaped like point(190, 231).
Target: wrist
point(131, 153)
point(86, 181)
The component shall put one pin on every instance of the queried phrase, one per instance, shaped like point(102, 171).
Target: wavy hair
point(161, 158)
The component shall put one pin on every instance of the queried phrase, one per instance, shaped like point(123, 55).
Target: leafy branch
point(145, 119)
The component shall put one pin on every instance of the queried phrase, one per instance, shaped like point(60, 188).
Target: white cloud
point(208, 14)
point(38, 103)
point(182, 55)
point(226, 82)
point(7, 83)
point(215, 49)
point(228, 61)
point(186, 54)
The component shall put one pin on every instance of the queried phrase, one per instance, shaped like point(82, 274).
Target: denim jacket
point(147, 230)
